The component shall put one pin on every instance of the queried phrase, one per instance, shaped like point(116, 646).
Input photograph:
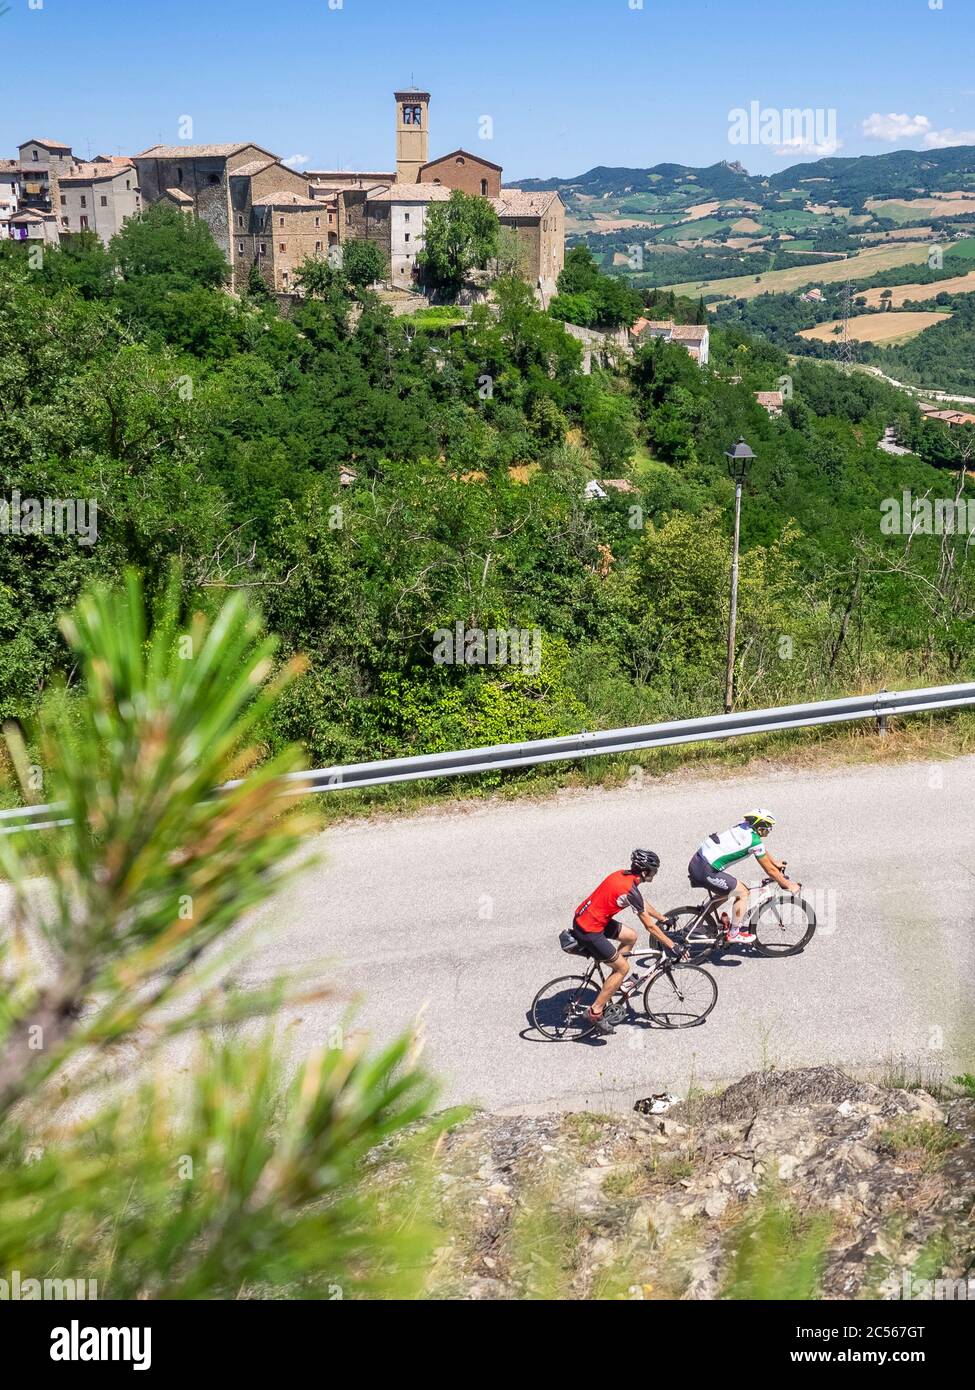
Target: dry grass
point(700, 210)
point(920, 1145)
point(879, 328)
point(899, 234)
point(900, 294)
point(945, 205)
point(865, 263)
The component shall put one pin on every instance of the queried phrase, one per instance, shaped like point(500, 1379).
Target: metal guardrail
point(499, 757)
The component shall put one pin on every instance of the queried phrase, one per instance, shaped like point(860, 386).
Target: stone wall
point(362, 220)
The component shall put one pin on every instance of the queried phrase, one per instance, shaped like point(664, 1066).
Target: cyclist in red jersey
point(595, 927)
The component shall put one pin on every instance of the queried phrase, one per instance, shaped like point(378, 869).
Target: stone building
point(286, 228)
point(393, 213)
point(227, 186)
point(536, 222)
point(45, 154)
point(694, 338)
point(244, 193)
point(468, 172)
point(412, 134)
point(396, 220)
point(37, 167)
point(9, 192)
point(41, 161)
point(327, 182)
point(99, 196)
point(30, 224)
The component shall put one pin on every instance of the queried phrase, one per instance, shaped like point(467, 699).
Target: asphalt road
point(455, 915)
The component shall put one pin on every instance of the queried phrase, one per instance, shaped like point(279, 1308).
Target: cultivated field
point(958, 284)
point(878, 328)
point(859, 267)
point(701, 210)
point(899, 234)
point(912, 209)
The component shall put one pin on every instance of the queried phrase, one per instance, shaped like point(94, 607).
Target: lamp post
point(738, 460)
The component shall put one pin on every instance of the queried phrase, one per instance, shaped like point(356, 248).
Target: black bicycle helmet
point(644, 861)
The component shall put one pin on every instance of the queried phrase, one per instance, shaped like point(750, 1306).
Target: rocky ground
point(788, 1184)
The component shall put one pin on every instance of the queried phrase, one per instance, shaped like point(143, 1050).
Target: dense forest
point(213, 429)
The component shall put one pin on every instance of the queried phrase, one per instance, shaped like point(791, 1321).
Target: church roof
point(464, 154)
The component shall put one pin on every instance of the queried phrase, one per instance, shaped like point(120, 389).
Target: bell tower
point(412, 134)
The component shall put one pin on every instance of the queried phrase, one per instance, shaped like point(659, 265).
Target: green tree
point(318, 277)
point(610, 427)
point(235, 1182)
point(363, 263)
point(82, 263)
point(163, 241)
point(580, 272)
point(257, 287)
point(461, 235)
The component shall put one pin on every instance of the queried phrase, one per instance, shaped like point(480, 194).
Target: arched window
point(460, 160)
point(484, 188)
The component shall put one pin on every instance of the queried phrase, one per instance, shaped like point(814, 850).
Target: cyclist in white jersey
point(709, 866)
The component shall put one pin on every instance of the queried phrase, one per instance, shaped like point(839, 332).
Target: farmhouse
point(694, 337)
point(772, 401)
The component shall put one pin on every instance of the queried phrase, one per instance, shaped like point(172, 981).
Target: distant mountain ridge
point(896, 174)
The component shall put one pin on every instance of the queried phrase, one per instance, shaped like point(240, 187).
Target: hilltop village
point(266, 214)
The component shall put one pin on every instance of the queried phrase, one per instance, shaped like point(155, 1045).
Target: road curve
point(456, 914)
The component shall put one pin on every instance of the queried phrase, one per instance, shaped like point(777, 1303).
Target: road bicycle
point(783, 923)
point(674, 996)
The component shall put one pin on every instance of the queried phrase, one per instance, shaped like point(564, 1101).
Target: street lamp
point(738, 460)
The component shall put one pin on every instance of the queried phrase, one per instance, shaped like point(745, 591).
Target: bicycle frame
point(652, 949)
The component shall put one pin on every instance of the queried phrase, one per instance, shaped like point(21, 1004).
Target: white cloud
point(942, 139)
point(893, 127)
point(810, 149)
point(296, 159)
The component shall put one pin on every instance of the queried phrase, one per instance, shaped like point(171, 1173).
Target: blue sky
point(567, 83)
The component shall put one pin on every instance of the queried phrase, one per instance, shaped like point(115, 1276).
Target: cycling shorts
point(705, 875)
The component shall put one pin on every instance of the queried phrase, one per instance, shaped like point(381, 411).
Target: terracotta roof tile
point(198, 151)
point(284, 198)
point(411, 193)
point(515, 202)
point(45, 144)
point(254, 166)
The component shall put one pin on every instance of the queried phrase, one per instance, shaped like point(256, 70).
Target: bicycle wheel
point(680, 996)
point(783, 926)
point(559, 1008)
point(701, 941)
